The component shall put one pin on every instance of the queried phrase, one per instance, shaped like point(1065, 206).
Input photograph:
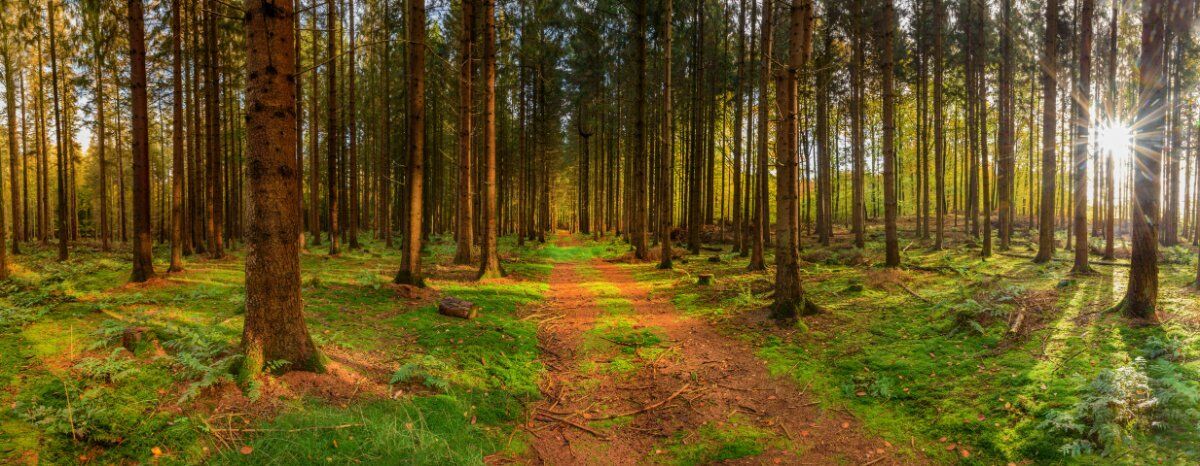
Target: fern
point(115, 368)
point(430, 371)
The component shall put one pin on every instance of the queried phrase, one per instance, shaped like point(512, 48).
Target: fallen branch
point(914, 293)
point(647, 407)
point(876, 460)
point(299, 429)
point(1016, 325)
point(573, 424)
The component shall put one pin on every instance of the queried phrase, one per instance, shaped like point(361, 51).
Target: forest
point(859, 232)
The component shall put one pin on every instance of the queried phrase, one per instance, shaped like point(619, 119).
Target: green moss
point(737, 438)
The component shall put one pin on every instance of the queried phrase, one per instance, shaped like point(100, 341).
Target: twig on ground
point(573, 424)
point(298, 429)
point(647, 407)
point(914, 293)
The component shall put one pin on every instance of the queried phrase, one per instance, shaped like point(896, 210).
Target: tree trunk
point(410, 261)
point(1082, 117)
point(59, 152)
point(666, 193)
point(939, 125)
point(789, 292)
point(143, 265)
point(214, 207)
point(761, 217)
point(489, 258)
point(640, 219)
point(274, 329)
point(10, 102)
point(858, 209)
point(352, 201)
point(1142, 295)
point(177, 154)
point(892, 243)
point(1110, 165)
point(1006, 172)
point(333, 141)
point(464, 233)
point(1049, 67)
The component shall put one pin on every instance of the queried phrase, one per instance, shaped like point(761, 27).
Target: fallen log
point(455, 307)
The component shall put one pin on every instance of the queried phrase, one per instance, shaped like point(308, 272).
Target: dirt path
point(695, 376)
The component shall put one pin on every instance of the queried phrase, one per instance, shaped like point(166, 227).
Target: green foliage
point(715, 444)
point(428, 370)
point(1123, 403)
point(114, 368)
point(434, 430)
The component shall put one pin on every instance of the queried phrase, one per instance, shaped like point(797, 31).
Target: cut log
point(454, 307)
point(704, 279)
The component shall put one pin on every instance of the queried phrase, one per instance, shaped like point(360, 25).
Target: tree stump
point(704, 279)
point(132, 338)
point(454, 307)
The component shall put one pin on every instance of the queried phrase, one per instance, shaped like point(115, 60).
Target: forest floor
point(582, 356)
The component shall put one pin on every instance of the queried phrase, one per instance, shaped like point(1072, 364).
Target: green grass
point(730, 440)
point(949, 370)
point(59, 323)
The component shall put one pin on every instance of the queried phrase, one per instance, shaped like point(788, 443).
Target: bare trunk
point(1049, 67)
point(274, 329)
point(410, 261)
point(489, 258)
point(666, 195)
point(464, 233)
point(761, 217)
point(1142, 294)
point(143, 242)
point(177, 154)
point(892, 242)
point(1082, 117)
point(789, 292)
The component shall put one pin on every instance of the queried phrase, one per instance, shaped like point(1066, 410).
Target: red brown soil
point(704, 377)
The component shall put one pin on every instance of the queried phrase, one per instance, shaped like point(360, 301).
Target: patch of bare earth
point(703, 377)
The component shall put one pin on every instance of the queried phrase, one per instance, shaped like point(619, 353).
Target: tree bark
point(858, 209)
point(143, 265)
point(489, 258)
point(1142, 294)
point(666, 194)
point(761, 217)
point(789, 292)
point(59, 152)
point(640, 219)
point(1082, 117)
point(1049, 67)
point(939, 125)
point(333, 141)
point(274, 329)
point(892, 242)
point(214, 207)
point(410, 261)
point(464, 233)
point(177, 151)
point(10, 102)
